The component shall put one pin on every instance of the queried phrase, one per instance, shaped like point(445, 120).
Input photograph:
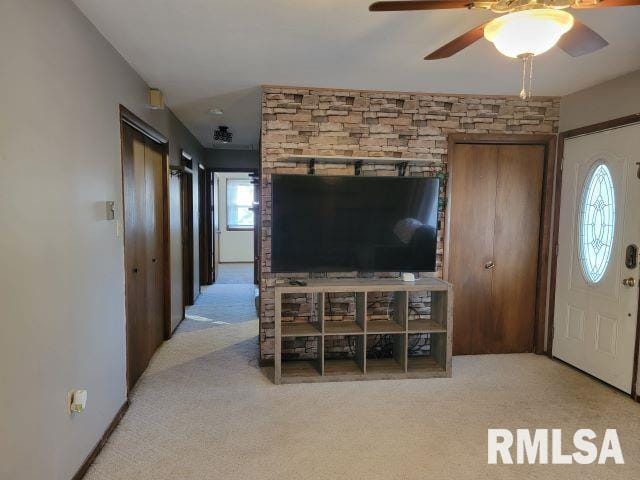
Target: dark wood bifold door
point(143, 182)
point(496, 193)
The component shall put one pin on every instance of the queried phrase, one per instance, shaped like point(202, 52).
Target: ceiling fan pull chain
point(523, 92)
point(530, 74)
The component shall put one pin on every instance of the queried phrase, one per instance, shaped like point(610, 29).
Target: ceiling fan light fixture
point(528, 32)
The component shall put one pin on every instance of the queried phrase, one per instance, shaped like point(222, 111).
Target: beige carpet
point(204, 410)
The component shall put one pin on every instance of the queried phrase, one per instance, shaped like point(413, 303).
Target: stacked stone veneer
point(314, 121)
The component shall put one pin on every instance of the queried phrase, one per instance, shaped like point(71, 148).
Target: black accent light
point(222, 134)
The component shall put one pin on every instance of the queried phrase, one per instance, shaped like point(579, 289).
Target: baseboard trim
point(82, 471)
point(177, 325)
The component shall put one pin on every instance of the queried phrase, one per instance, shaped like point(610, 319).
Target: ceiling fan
point(528, 28)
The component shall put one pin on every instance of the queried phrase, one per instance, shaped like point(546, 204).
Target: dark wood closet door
point(493, 251)
point(472, 200)
point(516, 241)
point(155, 246)
point(134, 186)
point(142, 168)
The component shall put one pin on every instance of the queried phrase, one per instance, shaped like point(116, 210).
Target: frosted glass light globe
point(528, 31)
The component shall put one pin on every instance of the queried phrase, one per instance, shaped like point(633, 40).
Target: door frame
point(548, 141)
point(186, 230)
point(203, 195)
point(562, 136)
point(126, 117)
point(209, 232)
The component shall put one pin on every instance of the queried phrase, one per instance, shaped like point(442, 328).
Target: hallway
point(215, 346)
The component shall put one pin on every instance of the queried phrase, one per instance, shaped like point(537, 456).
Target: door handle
point(629, 282)
point(135, 270)
point(489, 265)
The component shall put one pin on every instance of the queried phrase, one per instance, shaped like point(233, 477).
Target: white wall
point(613, 99)
point(235, 246)
point(61, 262)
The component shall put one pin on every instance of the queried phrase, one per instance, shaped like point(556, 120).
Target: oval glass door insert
point(596, 223)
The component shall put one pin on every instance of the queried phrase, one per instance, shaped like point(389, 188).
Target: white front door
point(596, 302)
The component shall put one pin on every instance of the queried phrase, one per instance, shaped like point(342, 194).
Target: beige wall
point(613, 99)
point(62, 278)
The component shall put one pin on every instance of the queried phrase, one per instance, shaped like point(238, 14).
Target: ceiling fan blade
point(581, 40)
point(418, 5)
point(457, 44)
point(583, 4)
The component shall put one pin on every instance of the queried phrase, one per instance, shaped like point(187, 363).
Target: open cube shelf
point(360, 329)
point(427, 312)
point(426, 352)
point(386, 353)
point(301, 314)
point(343, 355)
point(386, 312)
point(341, 313)
point(303, 358)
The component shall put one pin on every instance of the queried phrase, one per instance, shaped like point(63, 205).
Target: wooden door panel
point(472, 203)
point(516, 242)
point(155, 246)
point(135, 250)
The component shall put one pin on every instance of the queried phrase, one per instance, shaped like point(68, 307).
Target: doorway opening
point(230, 225)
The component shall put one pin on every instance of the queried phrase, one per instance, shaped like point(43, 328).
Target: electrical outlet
point(76, 401)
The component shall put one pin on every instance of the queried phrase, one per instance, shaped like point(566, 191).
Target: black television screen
point(338, 224)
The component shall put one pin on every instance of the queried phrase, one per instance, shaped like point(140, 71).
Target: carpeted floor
point(235, 273)
point(204, 410)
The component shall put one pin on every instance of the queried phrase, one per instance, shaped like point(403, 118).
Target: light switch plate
point(110, 210)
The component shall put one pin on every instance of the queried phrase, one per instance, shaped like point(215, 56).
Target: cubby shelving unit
point(363, 344)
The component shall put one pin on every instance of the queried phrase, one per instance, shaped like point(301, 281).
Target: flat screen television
point(367, 224)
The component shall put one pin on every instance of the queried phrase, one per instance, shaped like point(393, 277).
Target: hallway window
point(239, 204)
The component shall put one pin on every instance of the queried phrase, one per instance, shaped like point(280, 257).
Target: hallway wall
point(62, 282)
point(231, 158)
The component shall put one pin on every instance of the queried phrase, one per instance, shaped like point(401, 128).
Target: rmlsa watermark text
point(543, 446)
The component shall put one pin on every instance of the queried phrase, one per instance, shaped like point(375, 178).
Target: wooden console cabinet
point(400, 329)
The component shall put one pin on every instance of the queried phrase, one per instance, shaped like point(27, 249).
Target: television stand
point(377, 329)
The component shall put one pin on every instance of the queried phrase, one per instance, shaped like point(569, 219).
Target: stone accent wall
point(315, 121)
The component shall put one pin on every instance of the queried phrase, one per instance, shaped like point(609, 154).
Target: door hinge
point(557, 247)
point(562, 163)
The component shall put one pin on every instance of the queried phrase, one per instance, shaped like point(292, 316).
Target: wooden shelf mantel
point(354, 160)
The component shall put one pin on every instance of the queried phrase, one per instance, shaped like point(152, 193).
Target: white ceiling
point(205, 53)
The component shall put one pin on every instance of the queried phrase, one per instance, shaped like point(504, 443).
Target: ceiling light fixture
point(222, 134)
point(526, 33)
point(215, 111)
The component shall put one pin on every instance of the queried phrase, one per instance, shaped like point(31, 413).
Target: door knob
point(629, 282)
point(135, 270)
point(489, 265)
